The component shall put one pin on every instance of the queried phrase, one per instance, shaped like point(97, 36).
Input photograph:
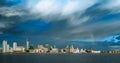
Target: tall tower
point(27, 45)
point(4, 46)
point(14, 45)
point(8, 46)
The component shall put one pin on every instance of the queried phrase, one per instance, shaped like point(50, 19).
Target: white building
point(46, 49)
point(8, 48)
point(82, 51)
point(54, 50)
point(62, 51)
point(19, 49)
point(96, 51)
point(4, 46)
point(27, 45)
point(36, 51)
point(77, 51)
point(11, 50)
point(14, 45)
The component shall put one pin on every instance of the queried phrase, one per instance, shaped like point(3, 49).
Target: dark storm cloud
point(67, 20)
point(10, 2)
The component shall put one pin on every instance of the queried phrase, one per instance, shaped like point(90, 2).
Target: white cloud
point(73, 6)
point(61, 9)
point(113, 5)
point(74, 20)
point(10, 11)
point(66, 7)
point(13, 14)
point(70, 7)
point(47, 7)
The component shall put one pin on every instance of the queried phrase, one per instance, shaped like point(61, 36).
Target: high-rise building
point(14, 45)
point(4, 46)
point(27, 45)
point(8, 48)
point(0, 50)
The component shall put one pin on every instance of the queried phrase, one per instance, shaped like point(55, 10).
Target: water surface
point(59, 58)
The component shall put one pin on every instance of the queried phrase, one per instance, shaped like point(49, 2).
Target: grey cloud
point(79, 24)
point(99, 30)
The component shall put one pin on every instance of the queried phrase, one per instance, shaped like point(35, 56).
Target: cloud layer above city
point(69, 20)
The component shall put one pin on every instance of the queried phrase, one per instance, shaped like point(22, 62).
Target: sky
point(60, 21)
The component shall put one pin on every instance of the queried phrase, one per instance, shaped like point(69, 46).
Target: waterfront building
point(71, 49)
point(8, 47)
point(61, 51)
point(19, 49)
point(83, 51)
point(54, 50)
point(90, 50)
point(0, 50)
point(4, 46)
point(31, 49)
point(27, 45)
point(77, 51)
point(46, 50)
point(48, 47)
point(11, 50)
point(14, 45)
point(36, 50)
point(41, 49)
point(67, 49)
point(96, 51)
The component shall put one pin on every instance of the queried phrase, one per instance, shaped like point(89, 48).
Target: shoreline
point(56, 53)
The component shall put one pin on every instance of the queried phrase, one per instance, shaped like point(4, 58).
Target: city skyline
point(28, 43)
point(17, 49)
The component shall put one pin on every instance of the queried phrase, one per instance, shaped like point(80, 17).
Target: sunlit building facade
point(4, 46)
